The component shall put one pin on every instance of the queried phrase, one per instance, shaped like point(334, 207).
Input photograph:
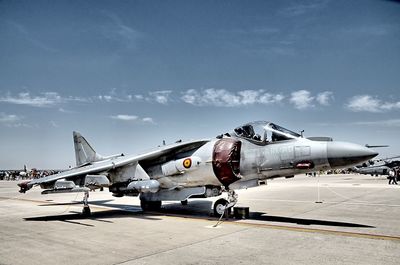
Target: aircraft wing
point(103, 166)
point(79, 171)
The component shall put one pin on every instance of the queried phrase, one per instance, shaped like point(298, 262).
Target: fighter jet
point(243, 158)
point(378, 167)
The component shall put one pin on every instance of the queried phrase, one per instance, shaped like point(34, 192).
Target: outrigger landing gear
point(86, 209)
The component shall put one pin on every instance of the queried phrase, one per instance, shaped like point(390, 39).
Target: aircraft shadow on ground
point(198, 209)
point(194, 208)
point(177, 209)
point(96, 216)
point(117, 211)
point(259, 216)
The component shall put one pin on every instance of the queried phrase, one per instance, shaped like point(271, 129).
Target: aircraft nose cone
point(342, 154)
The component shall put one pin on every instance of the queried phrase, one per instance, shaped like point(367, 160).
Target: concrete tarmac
point(331, 219)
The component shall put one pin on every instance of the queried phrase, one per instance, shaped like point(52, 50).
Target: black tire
point(150, 205)
point(219, 205)
point(185, 202)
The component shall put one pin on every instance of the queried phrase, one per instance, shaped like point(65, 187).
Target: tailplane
point(84, 153)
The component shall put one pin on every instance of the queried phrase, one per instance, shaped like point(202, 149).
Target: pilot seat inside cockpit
point(247, 131)
point(262, 133)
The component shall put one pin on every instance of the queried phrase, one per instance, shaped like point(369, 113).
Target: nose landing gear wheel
point(220, 208)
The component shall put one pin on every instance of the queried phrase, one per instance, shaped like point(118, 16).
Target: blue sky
point(130, 74)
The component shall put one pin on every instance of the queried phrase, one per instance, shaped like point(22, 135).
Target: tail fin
point(84, 153)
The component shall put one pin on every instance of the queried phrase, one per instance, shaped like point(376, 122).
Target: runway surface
point(331, 219)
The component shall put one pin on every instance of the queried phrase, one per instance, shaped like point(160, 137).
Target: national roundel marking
point(187, 163)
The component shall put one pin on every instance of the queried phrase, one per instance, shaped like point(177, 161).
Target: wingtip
point(24, 186)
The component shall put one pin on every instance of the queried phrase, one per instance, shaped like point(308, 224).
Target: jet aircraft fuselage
point(251, 153)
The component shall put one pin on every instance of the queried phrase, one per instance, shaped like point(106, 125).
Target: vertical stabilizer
point(84, 153)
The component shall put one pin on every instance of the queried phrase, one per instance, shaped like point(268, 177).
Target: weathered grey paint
point(289, 155)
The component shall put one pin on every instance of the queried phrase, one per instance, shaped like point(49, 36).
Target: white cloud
point(364, 103)
point(7, 118)
point(46, 99)
point(139, 97)
point(162, 97)
point(390, 105)
point(148, 120)
point(248, 96)
point(77, 99)
point(65, 110)
point(12, 120)
point(107, 98)
point(124, 117)
point(114, 98)
point(301, 99)
point(190, 96)
point(267, 98)
point(132, 118)
point(369, 103)
point(225, 98)
point(325, 98)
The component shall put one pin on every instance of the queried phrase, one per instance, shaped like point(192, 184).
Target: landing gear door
point(226, 160)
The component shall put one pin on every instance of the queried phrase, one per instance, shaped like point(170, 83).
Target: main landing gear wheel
point(220, 208)
point(150, 205)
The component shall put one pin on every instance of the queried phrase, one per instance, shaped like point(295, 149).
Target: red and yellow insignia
point(187, 163)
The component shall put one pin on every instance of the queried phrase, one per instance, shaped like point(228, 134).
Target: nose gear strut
point(223, 206)
point(232, 198)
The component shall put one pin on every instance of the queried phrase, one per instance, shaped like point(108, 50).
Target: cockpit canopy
point(262, 132)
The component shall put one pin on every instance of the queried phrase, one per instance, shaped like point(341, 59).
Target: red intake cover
point(226, 160)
